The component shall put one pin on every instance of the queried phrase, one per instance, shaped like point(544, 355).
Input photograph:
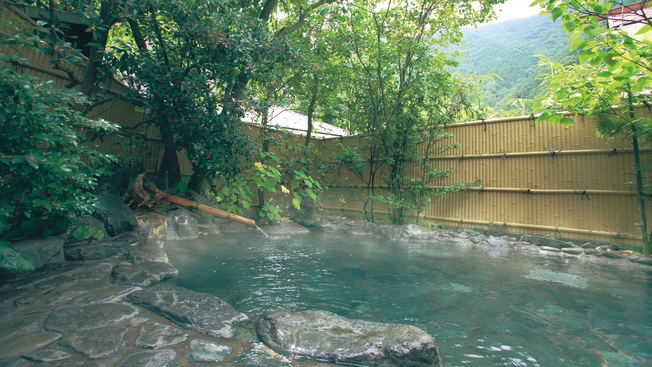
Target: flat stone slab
point(207, 351)
point(144, 274)
point(97, 343)
point(326, 337)
point(201, 312)
point(102, 295)
point(88, 317)
point(154, 358)
point(155, 335)
point(15, 325)
point(256, 357)
point(573, 250)
point(47, 355)
point(27, 344)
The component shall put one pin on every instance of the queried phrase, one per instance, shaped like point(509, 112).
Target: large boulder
point(181, 225)
point(201, 312)
point(109, 248)
point(46, 254)
point(307, 215)
point(113, 211)
point(326, 337)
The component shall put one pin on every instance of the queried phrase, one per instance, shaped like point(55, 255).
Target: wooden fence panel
point(531, 178)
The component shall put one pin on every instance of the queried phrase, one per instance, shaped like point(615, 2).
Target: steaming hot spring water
point(485, 307)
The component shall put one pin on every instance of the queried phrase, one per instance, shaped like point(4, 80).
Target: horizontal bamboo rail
point(506, 224)
point(542, 153)
point(525, 190)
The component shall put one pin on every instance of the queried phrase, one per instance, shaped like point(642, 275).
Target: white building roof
point(296, 123)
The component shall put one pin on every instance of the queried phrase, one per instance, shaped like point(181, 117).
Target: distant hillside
point(508, 49)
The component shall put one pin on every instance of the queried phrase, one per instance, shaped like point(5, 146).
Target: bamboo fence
point(536, 178)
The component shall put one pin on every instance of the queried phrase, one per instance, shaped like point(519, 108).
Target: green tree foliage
point(47, 165)
point(401, 92)
point(614, 75)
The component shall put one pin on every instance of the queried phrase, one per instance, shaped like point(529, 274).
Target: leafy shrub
point(48, 168)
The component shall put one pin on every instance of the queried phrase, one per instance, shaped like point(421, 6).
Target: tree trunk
point(639, 181)
point(311, 110)
point(170, 158)
point(96, 57)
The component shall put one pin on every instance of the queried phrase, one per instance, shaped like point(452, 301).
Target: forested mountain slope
point(508, 49)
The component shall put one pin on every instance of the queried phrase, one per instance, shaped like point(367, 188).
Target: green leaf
point(100, 235)
point(567, 121)
point(296, 201)
point(578, 43)
point(585, 56)
point(645, 29)
point(270, 185)
point(311, 194)
point(32, 163)
point(544, 116)
point(12, 259)
point(556, 13)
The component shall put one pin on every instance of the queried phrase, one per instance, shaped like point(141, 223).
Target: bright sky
point(513, 9)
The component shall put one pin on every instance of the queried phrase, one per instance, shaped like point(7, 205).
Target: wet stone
point(115, 248)
point(327, 337)
point(88, 317)
point(15, 362)
point(32, 297)
point(60, 295)
point(155, 335)
point(201, 312)
point(155, 358)
point(285, 228)
point(46, 254)
point(97, 343)
point(15, 325)
point(203, 351)
point(26, 344)
point(104, 295)
point(549, 248)
point(573, 250)
point(144, 274)
point(47, 355)
point(256, 357)
point(182, 225)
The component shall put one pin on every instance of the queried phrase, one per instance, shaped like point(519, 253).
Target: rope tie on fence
point(553, 153)
point(587, 195)
point(504, 156)
point(481, 190)
point(533, 124)
point(461, 158)
point(529, 191)
point(613, 152)
point(485, 124)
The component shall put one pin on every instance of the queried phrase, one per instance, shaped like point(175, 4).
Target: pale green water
point(485, 308)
